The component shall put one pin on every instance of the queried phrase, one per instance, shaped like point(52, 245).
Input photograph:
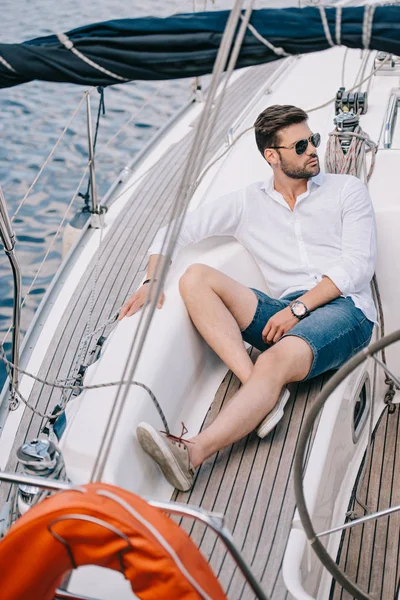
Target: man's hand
point(279, 324)
point(137, 300)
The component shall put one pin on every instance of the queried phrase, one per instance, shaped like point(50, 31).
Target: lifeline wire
point(52, 243)
point(77, 193)
point(49, 156)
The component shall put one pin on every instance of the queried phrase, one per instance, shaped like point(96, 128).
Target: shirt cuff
point(341, 279)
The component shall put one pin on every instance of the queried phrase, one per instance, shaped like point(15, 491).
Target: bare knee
point(272, 362)
point(195, 276)
point(288, 360)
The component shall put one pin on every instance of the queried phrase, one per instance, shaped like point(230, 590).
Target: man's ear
point(270, 156)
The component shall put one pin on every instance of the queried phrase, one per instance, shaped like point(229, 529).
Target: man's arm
point(354, 269)
point(282, 321)
point(138, 299)
point(218, 217)
point(321, 294)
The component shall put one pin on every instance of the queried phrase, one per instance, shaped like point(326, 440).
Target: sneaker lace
point(178, 439)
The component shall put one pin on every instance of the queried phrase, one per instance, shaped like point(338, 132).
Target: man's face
point(288, 161)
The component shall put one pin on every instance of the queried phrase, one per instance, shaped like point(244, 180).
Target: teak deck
point(251, 484)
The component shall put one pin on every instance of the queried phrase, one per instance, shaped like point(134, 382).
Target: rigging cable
point(183, 196)
point(49, 156)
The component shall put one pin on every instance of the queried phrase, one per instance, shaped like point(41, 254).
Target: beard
point(296, 172)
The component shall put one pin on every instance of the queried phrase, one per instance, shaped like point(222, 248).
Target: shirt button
point(316, 278)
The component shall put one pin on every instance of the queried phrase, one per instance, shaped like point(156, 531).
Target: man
point(314, 240)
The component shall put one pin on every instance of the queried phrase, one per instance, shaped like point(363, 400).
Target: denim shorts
point(335, 332)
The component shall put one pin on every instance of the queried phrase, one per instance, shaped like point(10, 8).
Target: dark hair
point(272, 120)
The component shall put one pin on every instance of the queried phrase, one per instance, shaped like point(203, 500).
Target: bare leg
point(220, 308)
point(288, 360)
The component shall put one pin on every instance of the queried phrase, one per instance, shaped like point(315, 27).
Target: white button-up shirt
point(331, 232)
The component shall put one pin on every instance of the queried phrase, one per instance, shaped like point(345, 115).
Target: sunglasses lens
point(316, 140)
point(301, 146)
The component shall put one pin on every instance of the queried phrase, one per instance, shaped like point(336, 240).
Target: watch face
point(299, 309)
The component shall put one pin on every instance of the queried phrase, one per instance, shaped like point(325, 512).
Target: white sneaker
point(274, 416)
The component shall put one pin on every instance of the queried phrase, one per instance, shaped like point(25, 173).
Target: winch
point(346, 122)
point(40, 458)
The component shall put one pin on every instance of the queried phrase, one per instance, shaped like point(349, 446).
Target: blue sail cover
point(183, 45)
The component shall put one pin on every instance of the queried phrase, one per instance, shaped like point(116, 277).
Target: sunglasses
point(302, 145)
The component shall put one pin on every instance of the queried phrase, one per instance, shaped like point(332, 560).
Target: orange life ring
point(155, 554)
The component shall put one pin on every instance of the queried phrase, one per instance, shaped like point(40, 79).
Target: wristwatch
point(299, 309)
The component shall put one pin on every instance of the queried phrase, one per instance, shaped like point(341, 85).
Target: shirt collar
point(318, 179)
point(313, 182)
point(268, 186)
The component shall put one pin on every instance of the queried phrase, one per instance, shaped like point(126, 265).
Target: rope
point(368, 20)
point(77, 193)
point(361, 70)
point(109, 321)
point(65, 41)
point(7, 64)
point(344, 67)
point(325, 25)
point(101, 109)
point(354, 161)
point(64, 386)
point(338, 25)
point(278, 51)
